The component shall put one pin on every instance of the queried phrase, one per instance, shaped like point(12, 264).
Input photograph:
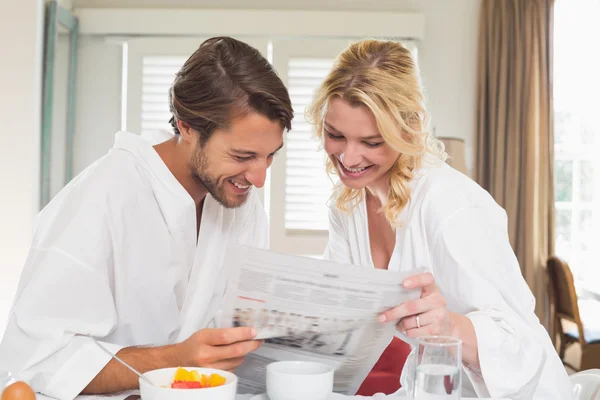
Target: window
point(301, 187)
point(307, 184)
point(158, 73)
point(308, 187)
point(577, 137)
point(151, 64)
point(298, 190)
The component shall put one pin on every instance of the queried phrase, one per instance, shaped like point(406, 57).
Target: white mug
point(299, 380)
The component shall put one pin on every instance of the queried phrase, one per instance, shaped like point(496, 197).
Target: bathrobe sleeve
point(64, 293)
point(477, 270)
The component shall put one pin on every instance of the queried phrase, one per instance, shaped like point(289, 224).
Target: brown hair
point(225, 79)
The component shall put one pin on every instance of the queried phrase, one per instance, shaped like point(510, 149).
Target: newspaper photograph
point(311, 310)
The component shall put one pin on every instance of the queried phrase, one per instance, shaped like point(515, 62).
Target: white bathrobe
point(114, 255)
point(456, 230)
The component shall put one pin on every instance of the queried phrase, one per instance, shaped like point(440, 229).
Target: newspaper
point(310, 309)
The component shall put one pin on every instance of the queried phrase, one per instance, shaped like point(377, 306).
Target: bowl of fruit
point(188, 384)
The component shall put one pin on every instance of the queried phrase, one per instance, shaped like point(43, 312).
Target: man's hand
point(219, 348)
point(214, 348)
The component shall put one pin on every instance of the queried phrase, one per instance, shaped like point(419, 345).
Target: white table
point(336, 396)
point(248, 397)
point(376, 397)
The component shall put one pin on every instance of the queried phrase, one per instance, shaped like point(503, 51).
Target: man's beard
point(199, 172)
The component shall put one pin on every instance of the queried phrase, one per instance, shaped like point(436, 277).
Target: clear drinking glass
point(5, 379)
point(438, 368)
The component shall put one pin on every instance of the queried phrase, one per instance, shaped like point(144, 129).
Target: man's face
point(234, 160)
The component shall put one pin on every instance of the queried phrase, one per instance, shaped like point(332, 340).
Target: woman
point(399, 206)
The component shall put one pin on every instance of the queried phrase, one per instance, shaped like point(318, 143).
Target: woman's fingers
point(413, 307)
point(425, 282)
point(418, 281)
point(431, 317)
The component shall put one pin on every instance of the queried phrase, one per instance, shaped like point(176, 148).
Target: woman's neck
point(379, 191)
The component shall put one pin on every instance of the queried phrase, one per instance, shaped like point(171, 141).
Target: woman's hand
point(425, 316)
point(430, 316)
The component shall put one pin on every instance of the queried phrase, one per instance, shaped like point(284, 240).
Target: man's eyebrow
point(253, 153)
point(332, 128)
point(279, 148)
point(244, 152)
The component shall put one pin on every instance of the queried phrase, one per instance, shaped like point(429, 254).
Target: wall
point(449, 65)
point(20, 80)
point(20, 127)
point(448, 57)
point(448, 62)
point(68, 4)
point(98, 100)
point(59, 111)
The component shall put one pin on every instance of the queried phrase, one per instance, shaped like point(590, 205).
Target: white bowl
point(164, 377)
point(299, 380)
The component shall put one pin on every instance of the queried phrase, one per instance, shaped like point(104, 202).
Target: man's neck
point(176, 159)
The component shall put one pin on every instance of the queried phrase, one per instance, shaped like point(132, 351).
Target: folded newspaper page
point(309, 309)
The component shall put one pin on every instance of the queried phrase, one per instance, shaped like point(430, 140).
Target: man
point(131, 251)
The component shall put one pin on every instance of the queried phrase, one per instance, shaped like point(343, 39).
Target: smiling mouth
point(353, 172)
point(238, 187)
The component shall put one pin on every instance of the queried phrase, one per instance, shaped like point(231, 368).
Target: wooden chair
point(567, 312)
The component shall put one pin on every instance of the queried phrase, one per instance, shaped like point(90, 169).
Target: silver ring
point(418, 323)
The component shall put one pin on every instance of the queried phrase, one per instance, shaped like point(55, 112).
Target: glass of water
point(438, 369)
point(5, 379)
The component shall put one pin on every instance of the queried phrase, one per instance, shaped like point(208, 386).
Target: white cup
point(299, 380)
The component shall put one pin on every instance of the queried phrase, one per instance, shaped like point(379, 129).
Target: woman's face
point(355, 146)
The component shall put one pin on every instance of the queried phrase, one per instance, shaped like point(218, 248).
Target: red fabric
point(385, 375)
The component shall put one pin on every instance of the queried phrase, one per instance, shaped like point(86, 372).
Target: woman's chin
point(356, 184)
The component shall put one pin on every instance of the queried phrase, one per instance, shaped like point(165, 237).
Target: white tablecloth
point(248, 397)
point(376, 397)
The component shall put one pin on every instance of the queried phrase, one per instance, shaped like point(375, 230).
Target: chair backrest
point(562, 286)
point(586, 385)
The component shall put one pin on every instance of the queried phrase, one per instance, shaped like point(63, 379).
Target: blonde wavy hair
point(383, 77)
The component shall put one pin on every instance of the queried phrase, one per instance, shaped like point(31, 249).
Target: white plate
point(260, 397)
